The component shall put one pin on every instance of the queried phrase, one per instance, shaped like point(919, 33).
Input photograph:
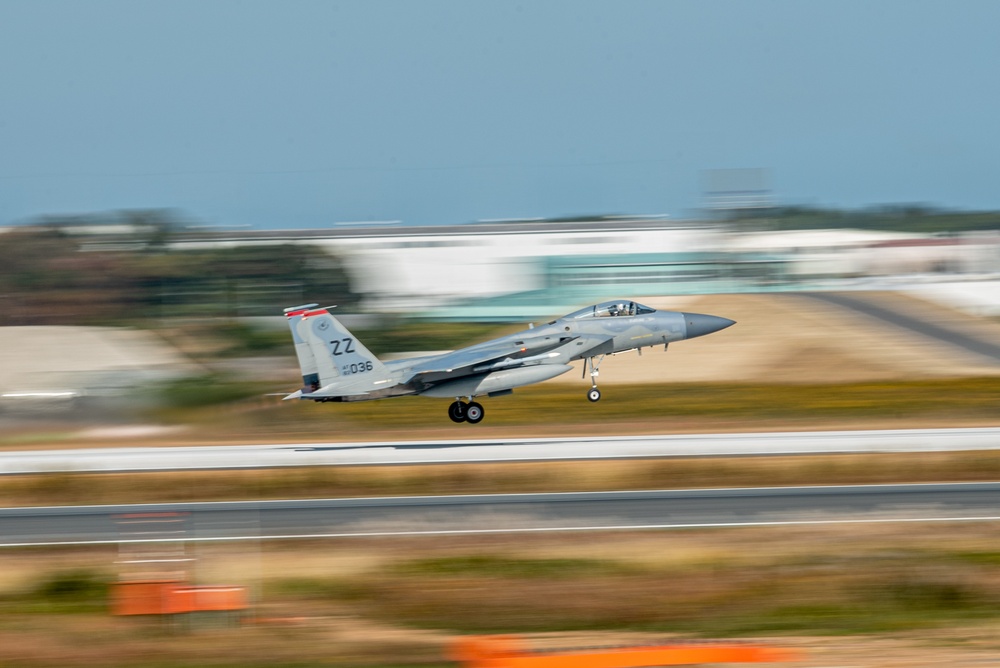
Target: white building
point(404, 268)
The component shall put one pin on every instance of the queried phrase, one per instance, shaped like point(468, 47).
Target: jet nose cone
point(699, 324)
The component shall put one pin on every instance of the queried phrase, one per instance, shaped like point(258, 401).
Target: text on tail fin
point(338, 354)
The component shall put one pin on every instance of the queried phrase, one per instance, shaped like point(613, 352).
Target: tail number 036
point(360, 367)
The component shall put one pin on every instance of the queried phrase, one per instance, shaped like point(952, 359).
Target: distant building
point(408, 269)
point(507, 269)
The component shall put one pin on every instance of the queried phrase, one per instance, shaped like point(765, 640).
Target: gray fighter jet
point(337, 367)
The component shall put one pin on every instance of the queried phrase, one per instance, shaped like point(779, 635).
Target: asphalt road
point(122, 459)
point(505, 513)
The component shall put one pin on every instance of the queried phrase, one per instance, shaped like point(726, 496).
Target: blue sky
point(305, 113)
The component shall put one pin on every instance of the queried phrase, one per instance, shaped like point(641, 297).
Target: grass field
point(920, 591)
point(562, 409)
point(212, 410)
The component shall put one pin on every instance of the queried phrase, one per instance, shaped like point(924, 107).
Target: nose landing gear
point(593, 394)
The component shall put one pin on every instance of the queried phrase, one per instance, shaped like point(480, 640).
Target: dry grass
point(920, 595)
point(555, 409)
point(524, 477)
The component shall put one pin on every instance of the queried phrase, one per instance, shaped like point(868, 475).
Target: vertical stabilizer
point(338, 355)
point(307, 363)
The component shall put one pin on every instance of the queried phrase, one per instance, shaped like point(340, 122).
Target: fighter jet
point(336, 366)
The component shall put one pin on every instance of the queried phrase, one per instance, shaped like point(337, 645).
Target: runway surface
point(122, 459)
point(506, 513)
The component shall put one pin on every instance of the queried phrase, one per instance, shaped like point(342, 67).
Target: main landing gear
point(471, 412)
point(593, 394)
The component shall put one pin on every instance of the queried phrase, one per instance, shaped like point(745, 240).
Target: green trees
point(74, 274)
point(917, 218)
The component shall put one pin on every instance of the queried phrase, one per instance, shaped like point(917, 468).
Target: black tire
point(594, 394)
point(457, 412)
point(474, 413)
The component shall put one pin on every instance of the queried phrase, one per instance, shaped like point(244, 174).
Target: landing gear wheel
point(594, 394)
point(474, 413)
point(457, 412)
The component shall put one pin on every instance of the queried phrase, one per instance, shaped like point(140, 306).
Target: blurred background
point(112, 316)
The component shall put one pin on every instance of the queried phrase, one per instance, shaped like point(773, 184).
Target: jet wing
point(482, 359)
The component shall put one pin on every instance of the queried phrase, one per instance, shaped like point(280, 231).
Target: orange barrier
point(142, 597)
point(207, 599)
point(172, 597)
point(509, 652)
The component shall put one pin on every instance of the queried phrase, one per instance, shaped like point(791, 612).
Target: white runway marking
point(513, 450)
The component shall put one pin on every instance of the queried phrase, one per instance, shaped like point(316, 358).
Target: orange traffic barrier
point(171, 597)
point(207, 599)
point(510, 652)
point(142, 597)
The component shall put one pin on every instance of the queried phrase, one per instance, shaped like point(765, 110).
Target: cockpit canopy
point(613, 309)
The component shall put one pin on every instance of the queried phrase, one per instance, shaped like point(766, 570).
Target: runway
point(498, 513)
point(124, 459)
